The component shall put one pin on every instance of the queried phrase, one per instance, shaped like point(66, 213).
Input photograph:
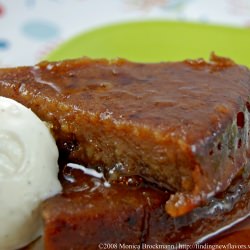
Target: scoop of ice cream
point(28, 173)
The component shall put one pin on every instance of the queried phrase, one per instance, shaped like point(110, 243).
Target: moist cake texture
point(181, 125)
point(88, 214)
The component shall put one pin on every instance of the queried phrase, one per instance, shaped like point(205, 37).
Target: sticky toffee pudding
point(169, 140)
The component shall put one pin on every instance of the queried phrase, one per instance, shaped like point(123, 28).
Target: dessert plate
point(154, 41)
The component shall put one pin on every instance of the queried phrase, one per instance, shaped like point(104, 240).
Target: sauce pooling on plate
point(237, 235)
point(132, 208)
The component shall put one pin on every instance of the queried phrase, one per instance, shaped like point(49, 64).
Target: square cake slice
point(182, 125)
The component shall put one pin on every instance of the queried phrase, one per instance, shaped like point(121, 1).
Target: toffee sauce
point(236, 233)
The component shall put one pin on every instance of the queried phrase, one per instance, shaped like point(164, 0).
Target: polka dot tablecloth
point(30, 29)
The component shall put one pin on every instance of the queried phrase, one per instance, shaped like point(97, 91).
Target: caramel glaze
point(132, 212)
point(237, 235)
point(183, 125)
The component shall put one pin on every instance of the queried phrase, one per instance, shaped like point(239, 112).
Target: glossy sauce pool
point(232, 237)
point(237, 235)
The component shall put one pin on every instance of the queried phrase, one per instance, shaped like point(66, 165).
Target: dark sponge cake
point(181, 125)
point(89, 214)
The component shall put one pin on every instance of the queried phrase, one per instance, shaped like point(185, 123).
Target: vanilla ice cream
point(28, 173)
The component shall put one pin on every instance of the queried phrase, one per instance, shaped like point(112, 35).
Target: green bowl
point(154, 41)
